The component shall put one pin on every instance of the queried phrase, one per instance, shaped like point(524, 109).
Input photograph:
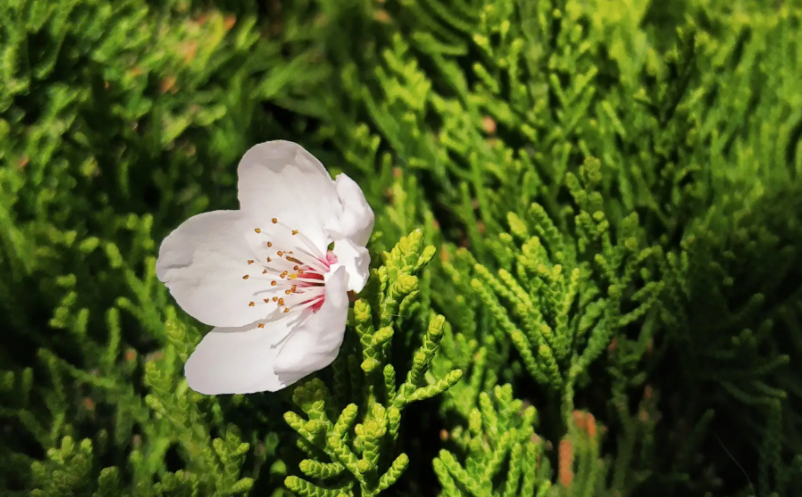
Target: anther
point(295, 267)
point(269, 244)
point(284, 274)
point(294, 232)
point(286, 310)
point(269, 259)
point(274, 283)
point(245, 277)
point(264, 271)
point(280, 301)
point(280, 253)
point(275, 299)
point(275, 220)
point(260, 325)
point(258, 230)
point(287, 292)
point(267, 300)
point(251, 304)
point(300, 271)
point(250, 262)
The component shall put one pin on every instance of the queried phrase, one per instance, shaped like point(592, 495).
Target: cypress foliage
point(585, 275)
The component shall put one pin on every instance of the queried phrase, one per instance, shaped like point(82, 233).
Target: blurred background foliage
point(586, 253)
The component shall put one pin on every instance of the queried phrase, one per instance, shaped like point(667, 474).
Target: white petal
point(280, 179)
point(203, 263)
point(237, 360)
point(356, 220)
point(356, 261)
point(315, 343)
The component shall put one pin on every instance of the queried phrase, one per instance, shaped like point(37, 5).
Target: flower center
point(293, 269)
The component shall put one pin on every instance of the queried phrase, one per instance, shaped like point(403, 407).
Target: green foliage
point(581, 207)
point(362, 443)
point(499, 437)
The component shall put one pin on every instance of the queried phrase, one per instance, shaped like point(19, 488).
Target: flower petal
point(356, 261)
point(237, 360)
point(356, 220)
point(203, 263)
point(316, 342)
point(280, 179)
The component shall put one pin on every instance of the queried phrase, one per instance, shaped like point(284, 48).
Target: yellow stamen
point(274, 283)
point(258, 230)
point(275, 220)
point(251, 304)
point(245, 277)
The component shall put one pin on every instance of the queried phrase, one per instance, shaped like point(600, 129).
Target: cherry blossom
point(265, 277)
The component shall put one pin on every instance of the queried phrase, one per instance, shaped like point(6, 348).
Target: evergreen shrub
point(586, 261)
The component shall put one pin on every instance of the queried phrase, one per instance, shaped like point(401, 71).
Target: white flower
point(263, 275)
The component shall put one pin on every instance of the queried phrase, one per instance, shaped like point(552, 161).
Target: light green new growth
point(559, 300)
point(499, 439)
point(349, 449)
